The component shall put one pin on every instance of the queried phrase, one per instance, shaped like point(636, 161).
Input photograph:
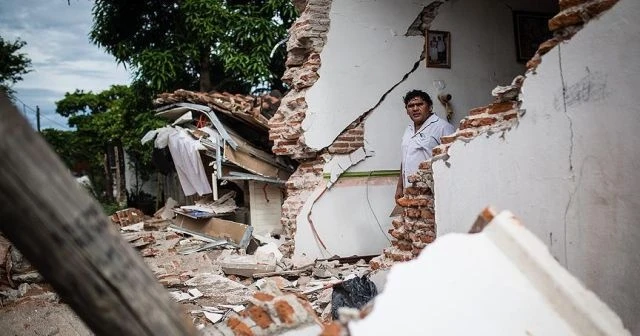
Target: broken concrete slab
point(133, 227)
point(513, 272)
point(248, 265)
point(219, 289)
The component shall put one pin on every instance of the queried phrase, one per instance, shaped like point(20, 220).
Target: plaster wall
point(148, 186)
point(350, 218)
point(569, 168)
point(365, 55)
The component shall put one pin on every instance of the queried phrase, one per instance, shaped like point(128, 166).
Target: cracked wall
point(348, 79)
point(568, 168)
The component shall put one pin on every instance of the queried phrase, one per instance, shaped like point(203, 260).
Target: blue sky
point(62, 57)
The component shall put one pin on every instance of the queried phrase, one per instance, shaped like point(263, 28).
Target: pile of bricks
point(416, 227)
point(571, 18)
point(268, 315)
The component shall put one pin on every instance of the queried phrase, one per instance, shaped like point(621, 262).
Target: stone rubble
point(292, 294)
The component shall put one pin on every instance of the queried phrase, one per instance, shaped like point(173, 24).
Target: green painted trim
point(374, 173)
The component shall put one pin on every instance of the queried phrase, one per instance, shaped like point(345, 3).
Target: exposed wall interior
point(367, 64)
point(569, 167)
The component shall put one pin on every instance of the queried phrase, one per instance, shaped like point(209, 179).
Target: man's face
point(418, 110)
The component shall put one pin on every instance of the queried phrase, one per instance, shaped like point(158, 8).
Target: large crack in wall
point(307, 39)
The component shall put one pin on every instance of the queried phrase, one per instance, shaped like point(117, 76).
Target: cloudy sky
point(62, 57)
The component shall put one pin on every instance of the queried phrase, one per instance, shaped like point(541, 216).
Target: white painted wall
point(265, 205)
point(351, 218)
point(571, 175)
point(148, 186)
point(502, 281)
point(366, 53)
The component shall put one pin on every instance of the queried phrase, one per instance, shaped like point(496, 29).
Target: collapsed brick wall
point(300, 184)
point(416, 227)
point(307, 38)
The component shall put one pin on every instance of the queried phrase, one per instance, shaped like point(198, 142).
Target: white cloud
point(63, 58)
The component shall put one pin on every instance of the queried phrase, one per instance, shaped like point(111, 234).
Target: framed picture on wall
point(438, 49)
point(530, 29)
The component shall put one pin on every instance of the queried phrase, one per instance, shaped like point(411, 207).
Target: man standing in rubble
point(420, 137)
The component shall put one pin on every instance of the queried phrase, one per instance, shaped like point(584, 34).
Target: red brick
point(597, 7)
point(332, 329)
point(547, 45)
point(263, 296)
point(477, 122)
point(259, 316)
point(425, 165)
point(285, 312)
point(509, 116)
point(412, 213)
point(287, 143)
point(569, 17)
point(340, 150)
point(427, 214)
point(238, 327)
point(356, 131)
point(346, 138)
point(449, 138)
point(414, 191)
point(417, 202)
point(439, 150)
point(404, 245)
point(477, 110)
point(467, 133)
point(397, 223)
point(501, 107)
point(534, 62)
point(340, 144)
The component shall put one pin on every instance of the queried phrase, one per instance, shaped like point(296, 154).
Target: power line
point(25, 106)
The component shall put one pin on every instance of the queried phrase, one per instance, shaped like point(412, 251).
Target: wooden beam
point(64, 233)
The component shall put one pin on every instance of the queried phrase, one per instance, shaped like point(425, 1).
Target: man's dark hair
point(417, 93)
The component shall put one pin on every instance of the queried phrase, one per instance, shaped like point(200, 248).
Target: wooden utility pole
point(38, 117)
point(64, 233)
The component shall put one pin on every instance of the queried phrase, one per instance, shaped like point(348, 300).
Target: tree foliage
point(13, 64)
point(118, 116)
point(205, 44)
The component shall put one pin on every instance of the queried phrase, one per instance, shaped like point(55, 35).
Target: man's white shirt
point(417, 146)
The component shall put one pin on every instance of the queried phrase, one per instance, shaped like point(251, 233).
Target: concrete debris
point(166, 212)
point(220, 285)
point(248, 265)
point(133, 227)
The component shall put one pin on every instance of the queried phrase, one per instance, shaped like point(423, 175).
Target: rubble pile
point(223, 287)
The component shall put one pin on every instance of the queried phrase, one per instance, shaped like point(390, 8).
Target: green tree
point(196, 44)
point(114, 118)
point(13, 64)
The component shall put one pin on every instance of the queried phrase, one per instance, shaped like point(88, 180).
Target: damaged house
point(217, 145)
point(545, 130)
